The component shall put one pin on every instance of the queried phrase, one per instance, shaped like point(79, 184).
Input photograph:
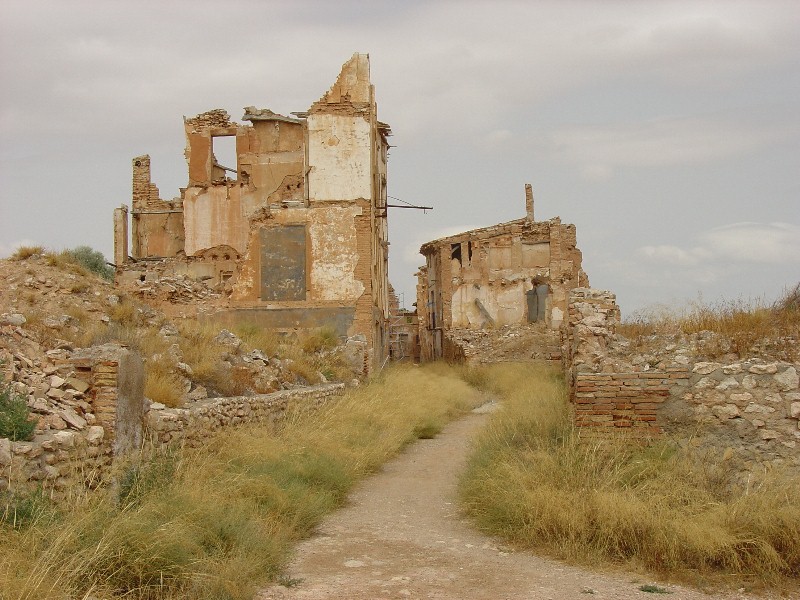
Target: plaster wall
point(339, 154)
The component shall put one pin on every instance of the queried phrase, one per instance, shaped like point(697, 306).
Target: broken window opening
point(225, 158)
point(225, 275)
point(455, 252)
point(469, 251)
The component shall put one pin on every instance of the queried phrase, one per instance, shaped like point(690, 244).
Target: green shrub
point(15, 423)
point(93, 260)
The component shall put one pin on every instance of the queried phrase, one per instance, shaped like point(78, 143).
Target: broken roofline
point(482, 233)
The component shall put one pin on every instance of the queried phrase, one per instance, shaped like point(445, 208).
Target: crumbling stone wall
point(62, 461)
point(748, 410)
point(56, 461)
point(192, 426)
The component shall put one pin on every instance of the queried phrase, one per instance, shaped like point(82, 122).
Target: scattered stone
point(95, 434)
point(73, 419)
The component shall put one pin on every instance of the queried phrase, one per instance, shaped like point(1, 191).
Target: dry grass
point(258, 338)
point(532, 481)
point(218, 522)
point(25, 252)
point(747, 326)
point(163, 385)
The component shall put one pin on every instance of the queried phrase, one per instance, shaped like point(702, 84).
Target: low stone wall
point(191, 426)
point(629, 401)
point(56, 461)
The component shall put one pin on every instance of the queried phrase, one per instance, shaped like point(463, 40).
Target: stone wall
point(58, 462)
point(748, 410)
point(191, 426)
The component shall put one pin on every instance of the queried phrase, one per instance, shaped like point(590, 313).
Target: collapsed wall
point(746, 410)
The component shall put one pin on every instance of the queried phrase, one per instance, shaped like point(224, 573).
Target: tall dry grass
point(749, 325)
point(217, 522)
point(534, 482)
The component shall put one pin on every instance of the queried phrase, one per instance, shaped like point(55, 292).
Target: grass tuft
point(25, 252)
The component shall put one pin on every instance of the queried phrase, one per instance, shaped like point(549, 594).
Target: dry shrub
point(320, 339)
point(124, 312)
point(25, 252)
point(258, 338)
point(534, 482)
point(304, 371)
point(219, 521)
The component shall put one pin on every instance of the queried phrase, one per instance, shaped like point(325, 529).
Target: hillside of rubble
point(51, 305)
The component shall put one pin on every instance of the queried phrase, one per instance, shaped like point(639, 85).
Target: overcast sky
point(668, 132)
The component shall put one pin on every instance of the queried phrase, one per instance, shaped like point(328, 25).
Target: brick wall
point(629, 401)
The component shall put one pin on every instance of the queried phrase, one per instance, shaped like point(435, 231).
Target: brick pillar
point(116, 379)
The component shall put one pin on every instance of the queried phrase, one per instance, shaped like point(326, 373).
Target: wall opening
point(455, 252)
point(537, 303)
point(224, 149)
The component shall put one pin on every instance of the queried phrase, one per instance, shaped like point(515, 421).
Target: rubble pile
point(47, 311)
point(507, 343)
point(178, 289)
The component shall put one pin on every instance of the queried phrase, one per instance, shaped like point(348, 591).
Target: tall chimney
point(529, 201)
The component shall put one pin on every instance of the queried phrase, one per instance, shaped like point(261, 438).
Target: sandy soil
point(401, 536)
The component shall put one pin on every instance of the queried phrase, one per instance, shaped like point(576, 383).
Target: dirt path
point(401, 536)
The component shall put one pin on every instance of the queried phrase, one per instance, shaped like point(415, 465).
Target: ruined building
point(294, 232)
point(512, 273)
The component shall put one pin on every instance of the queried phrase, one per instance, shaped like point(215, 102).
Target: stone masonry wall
point(747, 410)
point(191, 426)
point(58, 462)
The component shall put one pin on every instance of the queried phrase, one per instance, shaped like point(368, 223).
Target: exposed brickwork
point(625, 400)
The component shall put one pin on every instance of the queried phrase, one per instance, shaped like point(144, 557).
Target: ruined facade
point(403, 331)
point(294, 232)
point(512, 273)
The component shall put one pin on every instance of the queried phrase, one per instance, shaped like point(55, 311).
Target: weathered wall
point(58, 462)
point(508, 274)
point(192, 426)
point(299, 221)
point(747, 410)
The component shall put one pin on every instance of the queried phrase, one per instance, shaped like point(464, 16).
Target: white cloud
point(598, 150)
point(755, 242)
point(774, 243)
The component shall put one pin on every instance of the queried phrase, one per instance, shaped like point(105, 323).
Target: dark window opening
point(469, 252)
point(455, 252)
